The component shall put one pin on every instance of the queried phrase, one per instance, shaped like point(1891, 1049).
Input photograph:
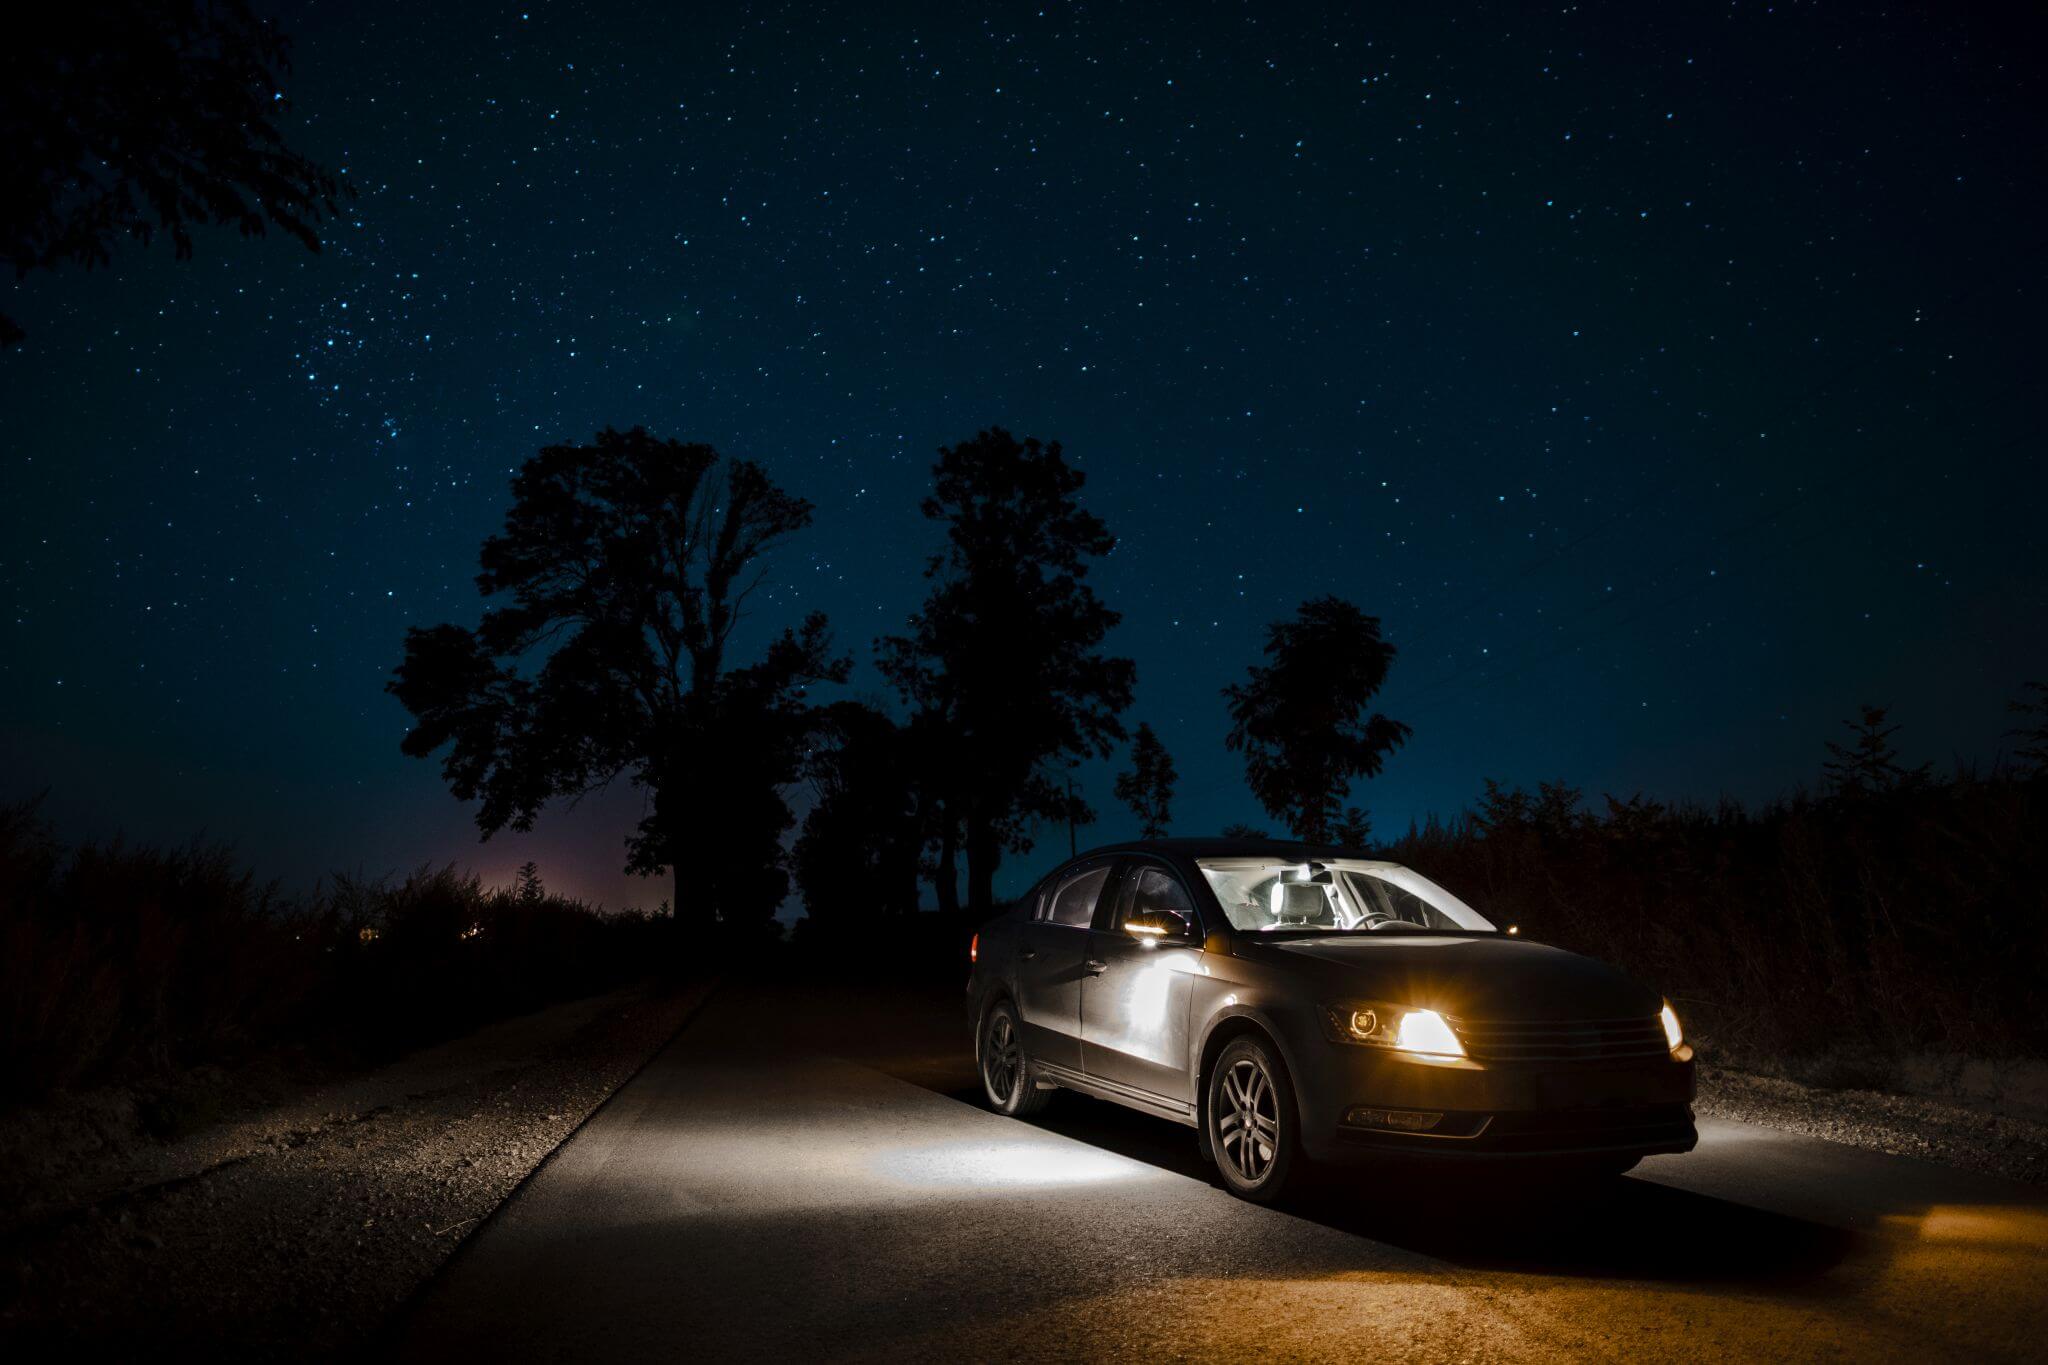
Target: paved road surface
point(790, 1181)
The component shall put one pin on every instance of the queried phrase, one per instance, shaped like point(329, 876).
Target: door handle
point(1028, 954)
point(1096, 966)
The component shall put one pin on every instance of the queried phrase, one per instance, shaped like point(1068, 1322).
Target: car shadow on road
point(1504, 1219)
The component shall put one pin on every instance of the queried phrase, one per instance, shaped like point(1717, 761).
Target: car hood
point(1483, 977)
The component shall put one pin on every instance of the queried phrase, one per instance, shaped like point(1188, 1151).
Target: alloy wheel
point(1247, 1120)
point(1002, 1064)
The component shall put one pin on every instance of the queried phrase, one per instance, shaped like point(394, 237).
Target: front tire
point(1006, 1079)
point(1251, 1121)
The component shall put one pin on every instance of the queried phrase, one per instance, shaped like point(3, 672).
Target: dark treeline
point(125, 964)
point(1831, 932)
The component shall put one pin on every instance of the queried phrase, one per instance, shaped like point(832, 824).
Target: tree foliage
point(1147, 785)
point(1303, 720)
point(858, 854)
point(2032, 734)
point(1869, 765)
point(1353, 829)
point(527, 887)
point(625, 566)
point(1005, 659)
point(139, 117)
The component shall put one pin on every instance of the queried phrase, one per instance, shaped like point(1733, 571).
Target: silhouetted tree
point(858, 853)
point(1502, 809)
point(1301, 719)
point(2033, 735)
point(1147, 786)
point(1868, 766)
point(1556, 814)
point(133, 117)
point(1244, 832)
point(528, 889)
point(627, 563)
point(1354, 830)
point(1004, 661)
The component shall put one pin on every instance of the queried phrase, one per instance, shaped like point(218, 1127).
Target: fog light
point(1395, 1120)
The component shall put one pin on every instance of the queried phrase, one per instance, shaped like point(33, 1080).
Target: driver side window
point(1155, 891)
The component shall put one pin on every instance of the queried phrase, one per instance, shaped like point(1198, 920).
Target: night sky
point(1668, 382)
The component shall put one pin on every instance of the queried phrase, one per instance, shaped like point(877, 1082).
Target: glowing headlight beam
point(1425, 1031)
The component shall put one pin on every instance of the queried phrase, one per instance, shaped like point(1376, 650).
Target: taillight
point(974, 948)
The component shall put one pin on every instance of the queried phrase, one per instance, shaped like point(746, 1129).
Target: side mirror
point(1150, 926)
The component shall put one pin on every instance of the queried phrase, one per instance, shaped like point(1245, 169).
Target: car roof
point(1217, 846)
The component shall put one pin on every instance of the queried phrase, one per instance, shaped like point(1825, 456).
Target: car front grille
point(1569, 1040)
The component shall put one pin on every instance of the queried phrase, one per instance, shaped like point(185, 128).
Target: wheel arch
point(1222, 1032)
point(986, 999)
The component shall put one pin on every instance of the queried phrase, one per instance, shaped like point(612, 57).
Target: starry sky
point(1666, 378)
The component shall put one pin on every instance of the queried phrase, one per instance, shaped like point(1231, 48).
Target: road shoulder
point(1967, 1138)
point(296, 1231)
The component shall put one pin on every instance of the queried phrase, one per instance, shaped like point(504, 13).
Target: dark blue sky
point(1667, 379)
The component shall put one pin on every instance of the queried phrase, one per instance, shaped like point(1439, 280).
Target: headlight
point(1673, 1035)
point(1404, 1028)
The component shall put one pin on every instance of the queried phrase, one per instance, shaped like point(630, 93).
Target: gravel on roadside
point(296, 1233)
point(1901, 1125)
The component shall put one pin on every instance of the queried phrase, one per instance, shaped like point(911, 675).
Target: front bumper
point(1358, 1101)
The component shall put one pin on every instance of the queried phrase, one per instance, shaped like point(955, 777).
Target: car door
point(1135, 1002)
point(1052, 952)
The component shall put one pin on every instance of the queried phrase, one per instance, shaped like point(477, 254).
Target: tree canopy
point(139, 117)
point(2032, 733)
point(1868, 765)
point(858, 854)
point(626, 565)
point(1147, 785)
point(1303, 721)
point(1005, 656)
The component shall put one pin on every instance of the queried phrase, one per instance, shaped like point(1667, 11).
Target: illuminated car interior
point(1262, 895)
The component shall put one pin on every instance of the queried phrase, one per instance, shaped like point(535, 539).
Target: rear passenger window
point(1074, 903)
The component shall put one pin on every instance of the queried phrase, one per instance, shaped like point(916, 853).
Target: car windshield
point(1267, 895)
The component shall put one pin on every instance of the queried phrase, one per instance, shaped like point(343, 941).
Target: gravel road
point(295, 1232)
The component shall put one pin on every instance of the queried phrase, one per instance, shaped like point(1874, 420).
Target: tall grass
point(120, 963)
point(1856, 926)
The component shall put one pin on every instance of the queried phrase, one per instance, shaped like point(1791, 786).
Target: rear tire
point(1250, 1122)
point(1006, 1079)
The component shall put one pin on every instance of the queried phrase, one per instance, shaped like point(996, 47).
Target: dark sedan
point(1296, 1003)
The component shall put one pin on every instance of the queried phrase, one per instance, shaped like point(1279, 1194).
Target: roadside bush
point(120, 963)
point(1840, 932)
